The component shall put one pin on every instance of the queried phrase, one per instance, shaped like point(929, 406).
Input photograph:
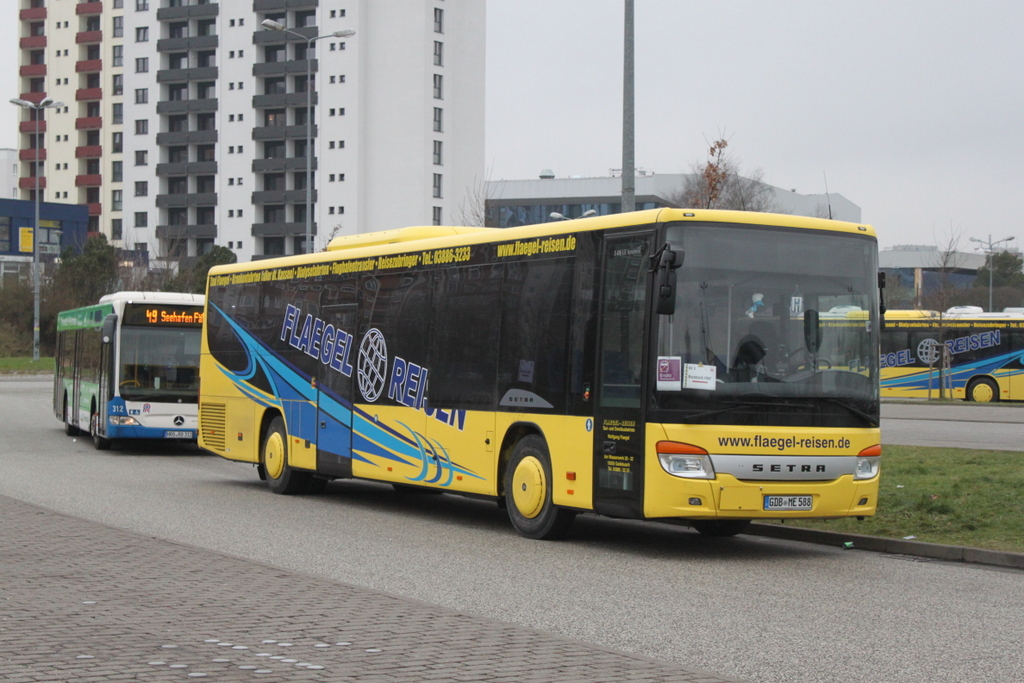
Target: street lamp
point(272, 25)
point(45, 103)
point(989, 250)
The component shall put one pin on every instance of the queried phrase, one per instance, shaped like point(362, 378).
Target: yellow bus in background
point(708, 366)
point(961, 353)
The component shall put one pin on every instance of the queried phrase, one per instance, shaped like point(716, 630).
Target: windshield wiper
point(867, 417)
point(732, 405)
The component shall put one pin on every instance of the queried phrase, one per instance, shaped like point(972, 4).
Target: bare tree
point(717, 184)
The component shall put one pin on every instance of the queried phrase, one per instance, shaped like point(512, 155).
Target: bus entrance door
point(618, 413)
point(334, 394)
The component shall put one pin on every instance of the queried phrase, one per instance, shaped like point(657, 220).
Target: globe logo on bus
point(928, 351)
point(373, 364)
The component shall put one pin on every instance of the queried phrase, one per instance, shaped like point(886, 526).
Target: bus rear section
point(128, 368)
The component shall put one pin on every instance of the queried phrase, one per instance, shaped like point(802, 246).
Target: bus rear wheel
point(528, 492)
point(983, 390)
point(281, 478)
point(720, 528)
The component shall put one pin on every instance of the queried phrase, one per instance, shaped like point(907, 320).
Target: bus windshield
point(771, 327)
point(159, 364)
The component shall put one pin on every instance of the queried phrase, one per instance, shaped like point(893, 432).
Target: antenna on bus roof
point(828, 200)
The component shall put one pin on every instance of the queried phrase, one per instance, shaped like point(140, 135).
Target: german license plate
point(788, 502)
point(178, 435)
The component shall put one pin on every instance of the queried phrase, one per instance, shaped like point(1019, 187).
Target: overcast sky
point(914, 110)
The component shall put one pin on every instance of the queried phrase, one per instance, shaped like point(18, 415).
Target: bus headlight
point(867, 468)
point(123, 421)
point(685, 460)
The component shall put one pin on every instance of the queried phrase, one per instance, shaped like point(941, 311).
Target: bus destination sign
point(147, 315)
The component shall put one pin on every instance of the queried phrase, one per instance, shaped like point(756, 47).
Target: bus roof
point(155, 297)
point(368, 245)
point(955, 313)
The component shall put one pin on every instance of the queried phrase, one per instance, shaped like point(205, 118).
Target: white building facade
point(184, 122)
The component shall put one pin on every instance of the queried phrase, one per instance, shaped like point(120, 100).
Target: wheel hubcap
point(529, 488)
point(273, 456)
point(983, 393)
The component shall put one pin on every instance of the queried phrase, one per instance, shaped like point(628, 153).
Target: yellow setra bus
point(708, 366)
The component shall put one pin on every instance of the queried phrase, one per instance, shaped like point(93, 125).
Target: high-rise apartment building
point(184, 122)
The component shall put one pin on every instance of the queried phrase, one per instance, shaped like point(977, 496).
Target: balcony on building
point(89, 8)
point(88, 151)
point(29, 42)
point(33, 70)
point(185, 106)
point(186, 168)
point(293, 66)
point(263, 37)
point(87, 65)
point(277, 229)
point(281, 132)
point(188, 12)
point(95, 209)
point(291, 99)
point(281, 197)
point(186, 137)
point(89, 37)
point(89, 94)
point(199, 73)
point(179, 232)
point(89, 180)
point(32, 126)
point(190, 199)
point(289, 164)
point(34, 97)
point(32, 154)
point(32, 14)
point(190, 43)
point(269, 5)
point(88, 122)
point(32, 183)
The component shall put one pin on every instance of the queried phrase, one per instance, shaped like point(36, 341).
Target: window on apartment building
point(438, 53)
point(206, 215)
point(206, 184)
point(117, 55)
point(119, 27)
point(141, 188)
point(206, 58)
point(177, 154)
point(177, 60)
point(273, 213)
point(305, 18)
point(274, 53)
point(438, 20)
point(301, 115)
point(92, 52)
point(299, 180)
point(206, 90)
point(438, 120)
point(92, 80)
point(178, 92)
point(274, 117)
point(274, 149)
point(204, 245)
point(141, 5)
point(142, 126)
point(92, 167)
point(177, 185)
point(273, 246)
point(141, 34)
point(301, 51)
point(274, 182)
point(141, 95)
point(177, 29)
point(206, 121)
point(92, 138)
point(141, 157)
point(116, 200)
point(438, 149)
point(37, 85)
point(438, 87)
point(117, 112)
point(437, 185)
point(141, 219)
point(117, 142)
point(437, 215)
point(178, 123)
point(37, 28)
point(301, 82)
point(37, 57)
point(116, 231)
point(91, 24)
point(300, 149)
point(206, 152)
point(299, 213)
point(206, 27)
point(274, 86)
point(117, 171)
point(177, 216)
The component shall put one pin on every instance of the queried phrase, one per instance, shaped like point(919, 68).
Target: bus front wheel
point(528, 492)
point(281, 478)
point(99, 442)
point(983, 390)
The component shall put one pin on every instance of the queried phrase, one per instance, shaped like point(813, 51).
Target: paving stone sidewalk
point(81, 601)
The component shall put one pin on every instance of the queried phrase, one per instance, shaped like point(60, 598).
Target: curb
point(950, 553)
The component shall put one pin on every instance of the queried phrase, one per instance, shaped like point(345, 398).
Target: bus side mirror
point(881, 299)
point(109, 325)
point(666, 283)
point(812, 331)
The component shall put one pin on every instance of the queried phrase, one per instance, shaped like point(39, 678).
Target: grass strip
point(26, 366)
point(954, 496)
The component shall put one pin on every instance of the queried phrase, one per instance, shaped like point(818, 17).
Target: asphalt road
point(749, 607)
point(997, 427)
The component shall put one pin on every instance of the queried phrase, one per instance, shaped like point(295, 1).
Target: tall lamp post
point(278, 26)
point(45, 103)
point(990, 251)
point(628, 121)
